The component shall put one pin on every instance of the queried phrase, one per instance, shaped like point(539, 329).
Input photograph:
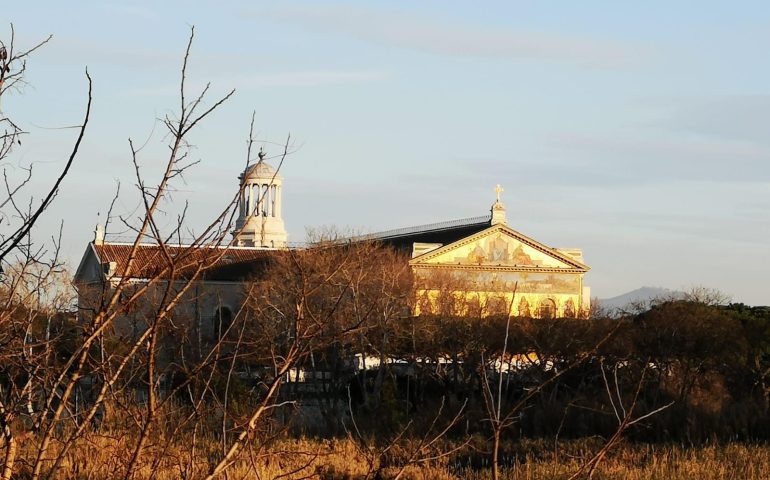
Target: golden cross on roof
point(498, 189)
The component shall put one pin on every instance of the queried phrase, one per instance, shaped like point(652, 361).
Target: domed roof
point(261, 170)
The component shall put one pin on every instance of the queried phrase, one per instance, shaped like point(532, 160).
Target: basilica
point(487, 259)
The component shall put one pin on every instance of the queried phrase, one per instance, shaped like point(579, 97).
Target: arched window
point(524, 310)
point(497, 305)
point(223, 318)
point(255, 199)
point(249, 199)
point(547, 308)
point(472, 306)
point(569, 308)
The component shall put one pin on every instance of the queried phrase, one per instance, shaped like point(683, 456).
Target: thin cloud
point(736, 117)
point(570, 160)
point(131, 10)
point(703, 148)
point(269, 80)
point(625, 160)
point(429, 35)
point(121, 56)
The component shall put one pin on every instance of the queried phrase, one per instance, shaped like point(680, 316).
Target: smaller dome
point(261, 170)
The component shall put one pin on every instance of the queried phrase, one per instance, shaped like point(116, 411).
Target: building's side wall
point(194, 316)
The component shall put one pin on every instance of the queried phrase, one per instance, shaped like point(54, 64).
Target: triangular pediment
point(499, 246)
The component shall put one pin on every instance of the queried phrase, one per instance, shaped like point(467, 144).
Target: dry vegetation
point(103, 457)
point(82, 398)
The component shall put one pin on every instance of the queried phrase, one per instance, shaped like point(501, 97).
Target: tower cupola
point(260, 223)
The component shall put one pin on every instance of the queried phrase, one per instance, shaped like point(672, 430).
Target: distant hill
point(640, 295)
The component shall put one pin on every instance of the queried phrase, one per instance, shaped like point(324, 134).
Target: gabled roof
point(150, 260)
point(555, 261)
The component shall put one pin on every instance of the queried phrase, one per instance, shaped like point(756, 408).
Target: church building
point(488, 262)
point(487, 259)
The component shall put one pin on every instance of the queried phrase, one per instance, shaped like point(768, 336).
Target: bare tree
point(22, 215)
point(30, 286)
point(502, 414)
point(624, 411)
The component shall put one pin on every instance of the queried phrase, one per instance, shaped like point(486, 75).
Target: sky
point(637, 131)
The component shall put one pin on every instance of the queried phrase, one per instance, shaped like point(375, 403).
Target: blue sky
point(639, 132)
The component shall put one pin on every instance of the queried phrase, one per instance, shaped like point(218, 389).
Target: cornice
point(418, 261)
point(500, 268)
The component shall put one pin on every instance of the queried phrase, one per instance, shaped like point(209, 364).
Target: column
point(263, 198)
point(273, 191)
point(278, 201)
point(268, 201)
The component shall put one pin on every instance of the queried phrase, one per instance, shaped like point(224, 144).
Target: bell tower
point(259, 221)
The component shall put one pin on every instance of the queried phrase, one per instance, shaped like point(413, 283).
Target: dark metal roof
point(403, 239)
point(483, 221)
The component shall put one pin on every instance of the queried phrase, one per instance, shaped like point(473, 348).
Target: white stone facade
point(259, 222)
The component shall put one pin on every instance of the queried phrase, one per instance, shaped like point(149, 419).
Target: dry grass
point(105, 457)
point(649, 462)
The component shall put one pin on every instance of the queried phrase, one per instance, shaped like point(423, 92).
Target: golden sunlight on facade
point(498, 270)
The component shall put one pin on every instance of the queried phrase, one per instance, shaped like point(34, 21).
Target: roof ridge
point(438, 226)
point(179, 245)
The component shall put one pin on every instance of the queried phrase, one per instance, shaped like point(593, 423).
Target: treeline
point(710, 365)
point(703, 369)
